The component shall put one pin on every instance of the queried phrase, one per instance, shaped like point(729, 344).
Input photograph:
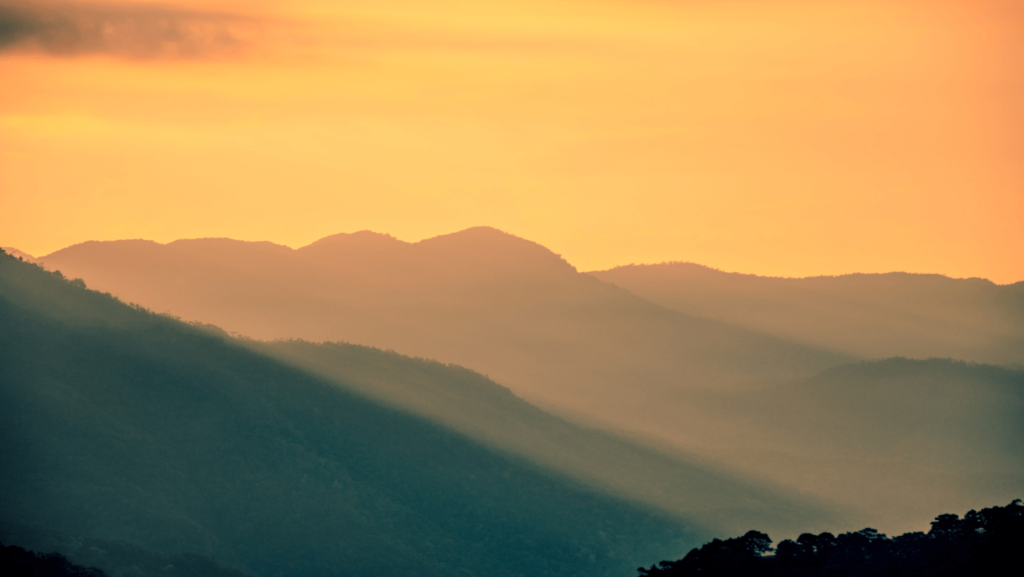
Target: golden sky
point(780, 137)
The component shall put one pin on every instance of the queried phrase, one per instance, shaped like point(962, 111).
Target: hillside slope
point(122, 425)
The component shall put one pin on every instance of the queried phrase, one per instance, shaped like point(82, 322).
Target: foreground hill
point(121, 425)
point(480, 298)
point(865, 315)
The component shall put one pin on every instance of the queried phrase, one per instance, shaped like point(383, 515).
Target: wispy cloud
point(121, 29)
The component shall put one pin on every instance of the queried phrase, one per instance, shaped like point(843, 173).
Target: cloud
point(124, 30)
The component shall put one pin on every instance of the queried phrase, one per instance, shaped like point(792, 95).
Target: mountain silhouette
point(865, 315)
point(130, 427)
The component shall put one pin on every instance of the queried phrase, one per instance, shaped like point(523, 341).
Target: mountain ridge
point(715, 270)
point(864, 315)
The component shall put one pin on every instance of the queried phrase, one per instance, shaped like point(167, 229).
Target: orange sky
point(781, 137)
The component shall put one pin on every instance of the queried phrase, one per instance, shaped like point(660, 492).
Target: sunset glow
point(782, 137)
point(506, 288)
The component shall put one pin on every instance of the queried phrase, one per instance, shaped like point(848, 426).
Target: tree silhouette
point(17, 562)
point(982, 543)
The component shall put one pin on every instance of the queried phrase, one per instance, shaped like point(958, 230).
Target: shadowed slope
point(480, 298)
point(867, 315)
point(119, 424)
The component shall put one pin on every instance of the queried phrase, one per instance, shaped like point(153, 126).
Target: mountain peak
point(361, 238)
point(348, 245)
point(225, 243)
point(486, 233)
point(93, 247)
point(481, 231)
point(488, 247)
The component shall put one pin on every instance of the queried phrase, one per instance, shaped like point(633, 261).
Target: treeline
point(17, 562)
point(982, 543)
point(115, 558)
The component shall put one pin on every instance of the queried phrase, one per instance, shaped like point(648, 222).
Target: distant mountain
point(121, 425)
point(896, 438)
point(937, 413)
point(864, 315)
point(480, 298)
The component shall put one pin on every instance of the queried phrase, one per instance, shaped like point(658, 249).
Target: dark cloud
point(121, 29)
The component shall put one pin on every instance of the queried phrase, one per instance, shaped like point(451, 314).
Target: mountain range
point(480, 298)
point(712, 401)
